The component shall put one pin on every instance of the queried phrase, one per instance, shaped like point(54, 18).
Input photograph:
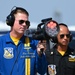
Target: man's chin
point(21, 32)
point(65, 44)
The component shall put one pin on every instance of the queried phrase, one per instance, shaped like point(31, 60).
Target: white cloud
point(33, 25)
point(4, 27)
point(72, 28)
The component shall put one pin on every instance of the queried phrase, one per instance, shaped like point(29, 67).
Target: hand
point(41, 47)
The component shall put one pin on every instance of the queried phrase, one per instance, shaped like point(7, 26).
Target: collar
point(9, 40)
point(68, 51)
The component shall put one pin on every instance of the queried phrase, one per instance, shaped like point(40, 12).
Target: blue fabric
point(12, 57)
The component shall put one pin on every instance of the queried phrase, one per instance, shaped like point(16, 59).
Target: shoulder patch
point(8, 52)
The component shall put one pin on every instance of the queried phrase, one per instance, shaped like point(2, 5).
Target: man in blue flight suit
point(19, 55)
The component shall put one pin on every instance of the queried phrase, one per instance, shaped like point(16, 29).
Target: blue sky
point(40, 9)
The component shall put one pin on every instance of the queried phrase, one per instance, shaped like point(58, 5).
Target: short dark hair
point(19, 9)
point(63, 24)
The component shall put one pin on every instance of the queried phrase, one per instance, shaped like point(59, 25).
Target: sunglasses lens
point(21, 21)
point(27, 23)
point(68, 35)
point(62, 36)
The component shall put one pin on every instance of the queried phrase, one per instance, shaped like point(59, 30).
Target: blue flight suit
point(12, 57)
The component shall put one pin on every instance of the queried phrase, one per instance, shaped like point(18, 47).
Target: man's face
point(20, 24)
point(63, 36)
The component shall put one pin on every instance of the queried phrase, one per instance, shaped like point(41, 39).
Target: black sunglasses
point(23, 21)
point(62, 35)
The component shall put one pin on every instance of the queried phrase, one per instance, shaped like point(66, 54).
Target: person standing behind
point(19, 54)
point(61, 58)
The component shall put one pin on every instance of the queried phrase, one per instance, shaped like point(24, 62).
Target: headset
point(55, 40)
point(11, 18)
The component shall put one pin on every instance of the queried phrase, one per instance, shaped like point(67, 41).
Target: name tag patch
point(72, 58)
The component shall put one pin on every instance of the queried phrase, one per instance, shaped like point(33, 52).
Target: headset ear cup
point(71, 37)
point(10, 20)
